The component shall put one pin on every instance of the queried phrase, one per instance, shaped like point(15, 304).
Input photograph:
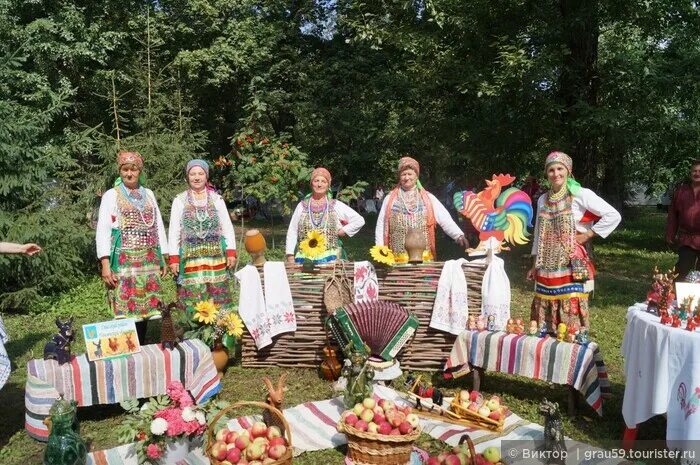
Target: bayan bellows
point(373, 328)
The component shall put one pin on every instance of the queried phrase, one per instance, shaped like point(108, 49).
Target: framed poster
point(110, 339)
point(688, 290)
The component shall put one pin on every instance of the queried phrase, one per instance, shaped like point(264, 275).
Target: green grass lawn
point(624, 261)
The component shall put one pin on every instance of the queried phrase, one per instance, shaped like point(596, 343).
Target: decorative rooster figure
point(494, 212)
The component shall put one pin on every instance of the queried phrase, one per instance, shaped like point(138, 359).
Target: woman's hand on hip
point(175, 268)
point(583, 237)
point(163, 271)
point(230, 262)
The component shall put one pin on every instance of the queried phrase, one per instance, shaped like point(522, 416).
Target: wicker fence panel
point(412, 286)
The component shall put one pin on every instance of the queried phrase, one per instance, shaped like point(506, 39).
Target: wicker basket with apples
point(473, 407)
point(464, 454)
point(379, 433)
point(259, 444)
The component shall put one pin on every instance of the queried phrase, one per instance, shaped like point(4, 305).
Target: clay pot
point(415, 244)
point(220, 355)
point(255, 245)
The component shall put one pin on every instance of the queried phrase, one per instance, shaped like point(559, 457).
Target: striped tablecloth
point(140, 375)
point(545, 359)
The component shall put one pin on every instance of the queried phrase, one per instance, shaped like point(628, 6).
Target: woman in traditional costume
point(568, 216)
point(131, 244)
point(320, 219)
point(202, 242)
point(410, 206)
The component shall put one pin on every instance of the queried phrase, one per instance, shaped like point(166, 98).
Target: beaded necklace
point(321, 214)
point(409, 214)
point(137, 199)
point(201, 215)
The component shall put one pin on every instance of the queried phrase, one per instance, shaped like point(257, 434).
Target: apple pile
point(383, 417)
point(257, 445)
point(475, 402)
point(460, 455)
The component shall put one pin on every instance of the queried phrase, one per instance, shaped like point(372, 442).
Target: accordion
point(373, 328)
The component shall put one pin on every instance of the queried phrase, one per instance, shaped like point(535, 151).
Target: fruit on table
point(383, 417)
point(258, 443)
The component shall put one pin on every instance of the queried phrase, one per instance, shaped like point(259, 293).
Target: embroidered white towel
point(450, 310)
point(495, 293)
point(251, 306)
point(278, 299)
point(365, 282)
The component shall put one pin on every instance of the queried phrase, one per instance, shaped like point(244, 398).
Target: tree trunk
point(579, 84)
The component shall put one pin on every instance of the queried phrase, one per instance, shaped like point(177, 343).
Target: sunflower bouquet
point(212, 324)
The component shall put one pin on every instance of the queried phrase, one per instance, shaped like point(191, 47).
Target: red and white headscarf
point(408, 162)
point(130, 158)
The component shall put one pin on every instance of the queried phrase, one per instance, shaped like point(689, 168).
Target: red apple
point(277, 451)
point(351, 419)
point(395, 417)
point(278, 441)
point(361, 425)
point(413, 419)
point(232, 436)
point(218, 450)
point(452, 459)
point(442, 456)
point(384, 428)
point(474, 407)
point(243, 440)
point(496, 415)
point(405, 427)
point(379, 418)
point(222, 433)
point(432, 461)
point(233, 455)
point(474, 395)
point(377, 409)
point(259, 429)
point(395, 432)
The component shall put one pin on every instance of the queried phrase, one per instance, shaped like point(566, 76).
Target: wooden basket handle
point(470, 444)
point(210, 430)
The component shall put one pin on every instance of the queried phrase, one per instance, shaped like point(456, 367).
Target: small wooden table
point(578, 366)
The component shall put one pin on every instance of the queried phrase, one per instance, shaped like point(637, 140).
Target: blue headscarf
point(197, 162)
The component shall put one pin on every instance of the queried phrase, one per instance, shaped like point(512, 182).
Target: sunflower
point(205, 312)
point(314, 245)
point(234, 325)
point(382, 254)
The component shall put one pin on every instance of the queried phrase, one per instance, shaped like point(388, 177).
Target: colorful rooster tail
point(468, 204)
point(518, 209)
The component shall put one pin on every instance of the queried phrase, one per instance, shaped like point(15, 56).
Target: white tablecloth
point(662, 367)
point(4, 358)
